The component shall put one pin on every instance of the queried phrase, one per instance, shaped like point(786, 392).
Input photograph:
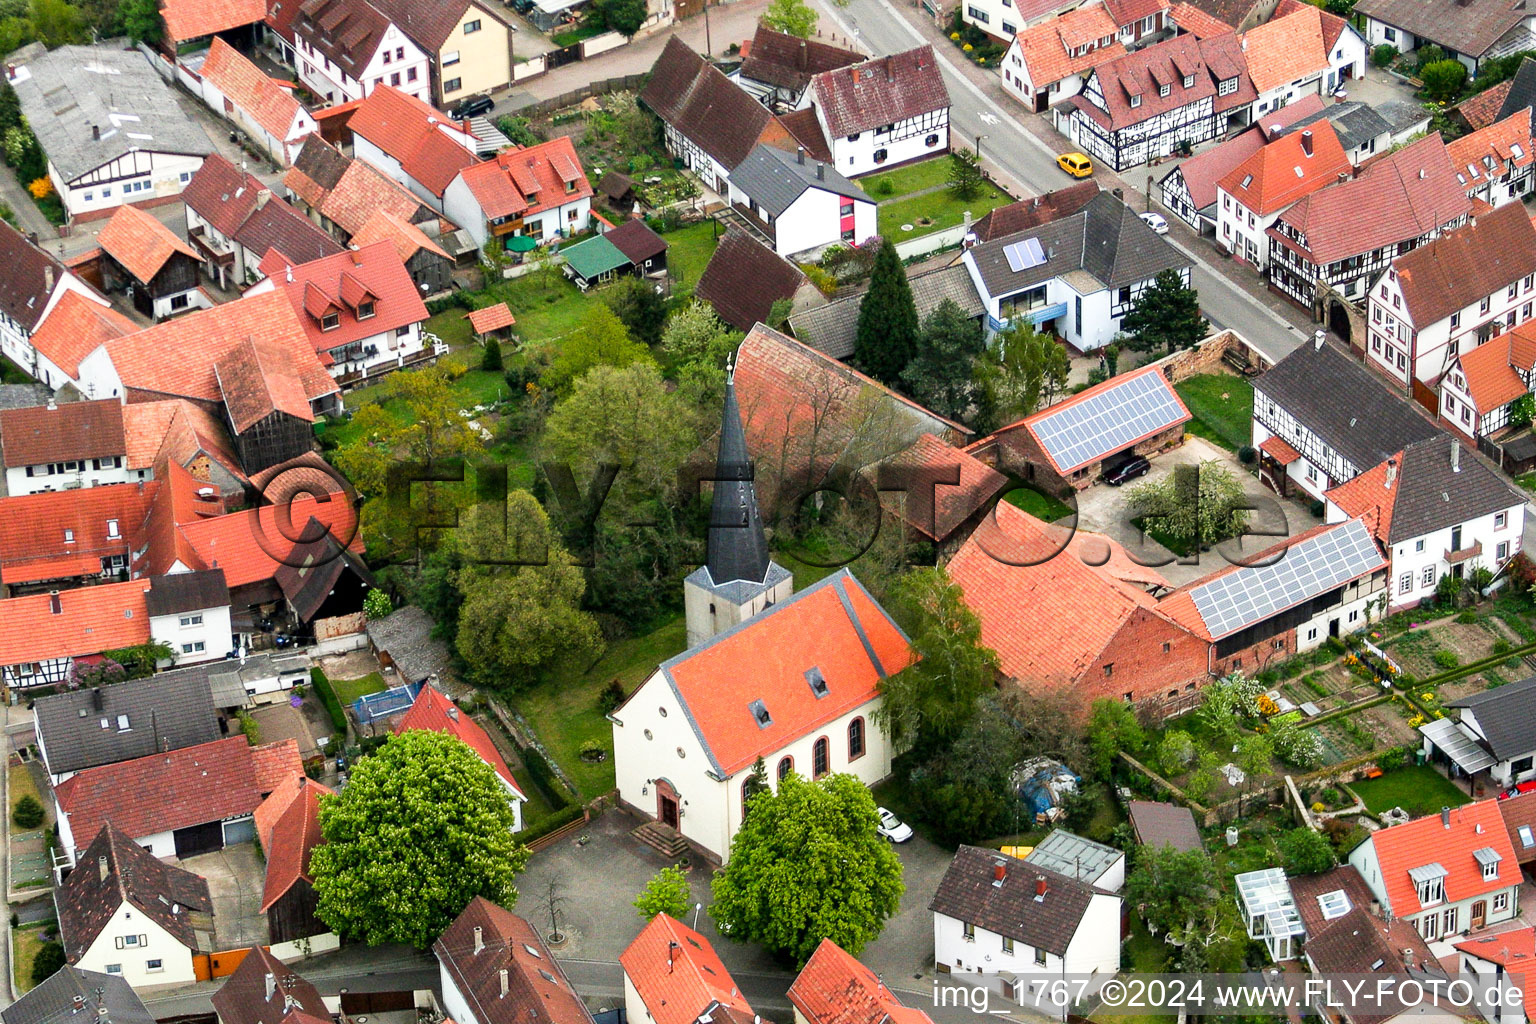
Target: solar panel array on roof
point(1109, 421)
point(1024, 255)
point(1314, 566)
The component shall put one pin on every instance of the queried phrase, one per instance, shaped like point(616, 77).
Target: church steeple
point(737, 548)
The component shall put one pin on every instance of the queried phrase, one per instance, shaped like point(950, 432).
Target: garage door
point(199, 839)
point(241, 830)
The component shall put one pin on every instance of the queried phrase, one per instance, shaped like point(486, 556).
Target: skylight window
point(1333, 904)
point(817, 682)
point(760, 714)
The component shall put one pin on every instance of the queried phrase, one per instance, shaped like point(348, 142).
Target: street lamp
point(978, 148)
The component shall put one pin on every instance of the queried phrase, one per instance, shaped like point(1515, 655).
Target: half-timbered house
point(883, 112)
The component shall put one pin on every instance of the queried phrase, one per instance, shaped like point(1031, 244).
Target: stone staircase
point(664, 840)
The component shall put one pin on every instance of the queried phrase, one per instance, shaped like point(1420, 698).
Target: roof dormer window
point(1164, 89)
point(1488, 859)
point(330, 321)
point(1429, 881)
point(1135, 101)
point(365, 309)
point(1189, 81)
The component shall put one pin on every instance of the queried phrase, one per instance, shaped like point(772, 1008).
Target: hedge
point(544, 777)
point(558, 820)
point(329, 699)
point(458, 300)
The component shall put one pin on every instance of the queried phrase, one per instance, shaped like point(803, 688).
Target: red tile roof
point(1077, 608)
point(140, 243)
point(880, 91)
point(1286, 49)
point(407, 238)
point(1490, 368)
point(1129, 12)
point(1283, 453)
point(256, 381)
point(55, 534)
point(1197, 22)
point(193, 19)
point(695, 97)
point(1475, 826)
point(222, 194)
point(678, 975)
point(491, 318)
point(429, 145)
point(1489, 153)
point(243, 84)
point(834, 988)
point(787, 61)
point(1283, 172)
point(90, 620)
point(744, 278)
point(1519, 812)
point(77, 326)
point(345, 280)
point(1472, 262)
point(75, 430)
point(275, 763)
point(1047, 48)
point(1482, 110)
point(163, 792)
point(1514, 950)
point(537, 989)
point(177, 357)
point(434, 712)
point(1202, 171)
point(288, 825)
point(1368, 498)
point(250, 545)
point(31, 277)
point(952, 504)
point(1142, 73)
point(347, 32)
point(502, 186)
point(1271, 123)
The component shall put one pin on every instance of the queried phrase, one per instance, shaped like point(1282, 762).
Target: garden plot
point(1431, 650)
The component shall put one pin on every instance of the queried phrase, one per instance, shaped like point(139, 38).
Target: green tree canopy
point(1195, 504)
point(423, 827)
point(622, 16)
point(1178, 895)
point(965, 180)
point(141, 20)
point(666, 893)
point(1031, 370)
point(601, 339)
point(886, 339)
point(640, 306)
point(1443, 80)
point(795, 17)
point(941, 375)
point(1166, 316)
point(1305, 852)
point(807, 865)
point(1112, 727)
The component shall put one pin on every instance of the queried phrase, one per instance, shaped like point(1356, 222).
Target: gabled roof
point(239, 543)
point(187, 592)
point(177, 357)
point(250, 89)
point(349, 192)
point(140, 243)
point(678, 975)
point(832, 327)
point(1490, 369)
point(833, 627)
point(1049, 49)
point(166, 711)
point(406, 635)
point(881, 91)
point(1489, 153)
point(1355, 123)
point(776, 179)
point(1430, 840)
point(345, 278)
point(1519, 814)
point(255, 382)
point(806, 131)
point(275, 225)
point(30, 277)
point(264, 990)
point(346, 31)
point(490, 318)
point(78, 325)
point(192, 19)
point(1128, 12)
point(1142, 73)
point(291, 816)
point(744, 278)
point(430, 146)
point(176, 430)
point(1471, 27)
point(834, 988)
point(55, 534)
point(1399, 197)
point(387, 226)
point(75, 430)
point(1106, 418)
point(1522, 89)
point(1482, 109)
point(71, 991)
point(90, 620)
point(221, 193)
point(1287, 48)
point(430, 25)
point(1344, 404)
point(113, 871)
point(788, 62)
point(537, 987)
point(939, 512)
point(1198, 23)
point(1202, 171)
point(592, 257)
point(967, 893)
point(1030, 213)
point(1514, 950)
point(433, 711)
point(528, 180)
point(1467, 264)
point(1354, 941)
point(635, 239)
point(695, 98)
point(1163, 824)
point(1506, 715)
point(1287, 169)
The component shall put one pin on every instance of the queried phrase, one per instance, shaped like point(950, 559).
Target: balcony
point(1465, 554)
point(1037, 316)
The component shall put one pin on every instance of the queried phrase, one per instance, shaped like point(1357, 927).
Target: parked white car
point(1155, 221)
point(892, 827)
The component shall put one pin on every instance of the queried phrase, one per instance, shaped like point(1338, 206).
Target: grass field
point(1041, 506)
point(1222, 407)
point(1418, 789)
point(477, 387)
point(348, 690)
point(943, 209)
point(688, 252)
point(24, 946)
point(906, 180)
point(21, 784)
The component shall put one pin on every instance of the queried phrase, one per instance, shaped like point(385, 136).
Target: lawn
point(906, 180)
point(1222, 407)
point(452, 326)
point(1041, 506)
point(689, 250)
point(348, 690)
point(24, 946)
point(544, 303)
point(576, 35)
point(941, 208)
point(22, 784)
point(564, 712)
point(1418, 789)
point(477, 387)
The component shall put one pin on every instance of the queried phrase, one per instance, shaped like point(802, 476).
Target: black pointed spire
point(737, 548)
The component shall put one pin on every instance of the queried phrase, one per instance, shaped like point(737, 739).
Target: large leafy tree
point(1178, 895)
point(941, 375)
point(666, 893)
point(795, 17)
point(601, 339)
point(1166, 316)
point(141, 20)
point(1195, 504)
point(807, 865)
point(1112, 728)
point(423, 827)
point(1031, 369)
point(886, 339)
point(927, 704)
point(622, 16)
point(640, 306)
point(1305, 851)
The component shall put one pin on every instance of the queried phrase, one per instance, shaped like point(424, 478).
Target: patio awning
point(1458, 746)
point(1279, 450)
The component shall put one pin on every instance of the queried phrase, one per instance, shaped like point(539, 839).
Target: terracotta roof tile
point(222, 194)
point(434, 712)
point(250, 545)
point(277, 225)
point(348, 32)
point(363, 191)
point(1463, 266)
point(744, 278)
point(273, 764)
point(179, 431)
point(789, 62)
point(407, 238)
point(491, 318)
point(255, 381)
point(193, 19)
point(967, 893)
point(25, 286)
point(1471, 27)
point(429, 145)
point(502, 186)
point(1282, 172)
point(264, 990)
point(1482, 110)
point(706, 107)
point(1033, 212)
point(1513, 950)
point(90, 620)
point(75, 430)
point(244, 84)
point(1283, 453)
point(1490, 368)
point(77, 326)
point(1202, 171)
point(290, 836)
point(678, 975)
point(880, 91)
point(89, 898)
point(1490, 153)
point(56, 534)
point(1047, 48)
point(834, 988)
point(353, 275)
point(536, 985)
point(1286, 49)
point(1368, 498)
point(952, 504)
point(141, 243)
point(1422, 841)
point(1519, 812)
point(806, 131)
point(1141, 72)
point(430, 24)
point(1198, 23)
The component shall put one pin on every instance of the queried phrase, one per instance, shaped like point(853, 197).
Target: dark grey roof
point(775, 179)
point(167, 711)
point(1162, 824)
point(832, 326)
point(736, 548)
point(405, 634)
point(66, 92)
point(1506, 715)
point(1522, 89)
point(1432, 496)
point(1343, 403)
point(1106, 239)
point(105, 999)
point(1402, 116)
point(967, 893)
point(1354, 122)
point(23, 396)
point(187, 592)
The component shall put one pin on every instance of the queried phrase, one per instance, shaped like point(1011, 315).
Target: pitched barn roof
point(250, 89)
point(789, 62)
point(75, 430)
point(535, 983)
point(141, 243)
point(744, 278)
point(880, 91)
point(114, 871)
point(678, 975)
point(694, 97)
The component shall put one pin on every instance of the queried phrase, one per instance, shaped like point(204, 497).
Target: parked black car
point(1130, 469)
point(473, 106)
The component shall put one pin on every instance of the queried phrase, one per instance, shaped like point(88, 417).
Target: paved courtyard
point(235, 877)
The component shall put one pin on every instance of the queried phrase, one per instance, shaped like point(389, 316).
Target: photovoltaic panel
point(1024, 255)
point(1308, 569)
point(1115, 418)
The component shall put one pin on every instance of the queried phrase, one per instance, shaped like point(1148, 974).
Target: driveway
point(235, 877)
point(1107, 510)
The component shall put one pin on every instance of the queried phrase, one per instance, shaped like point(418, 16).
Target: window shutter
point(119, 941)
point(143, 940)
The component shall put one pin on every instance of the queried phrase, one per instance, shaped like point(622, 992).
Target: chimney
point(999, 873)
point(670, 947)
point(503, 982)
point(96, 698)
point(10, 72)
point(1119, 193)
point(95, 133)
point(1306, 142)
point(262, 196)
point(821, 172)
point(1343, 175)
point(52, 405)
point(357, 257)
point(101, 868)
point(1040, 888)
point(453, 713)
point(48, 277)
point(271, 985)
point(79, 1003)
point(1391, 473)
point(800, 155)
point(1445, 817)
point(802, 58)
point(1317, 340)
point(1455, 457)
point(54, 605)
